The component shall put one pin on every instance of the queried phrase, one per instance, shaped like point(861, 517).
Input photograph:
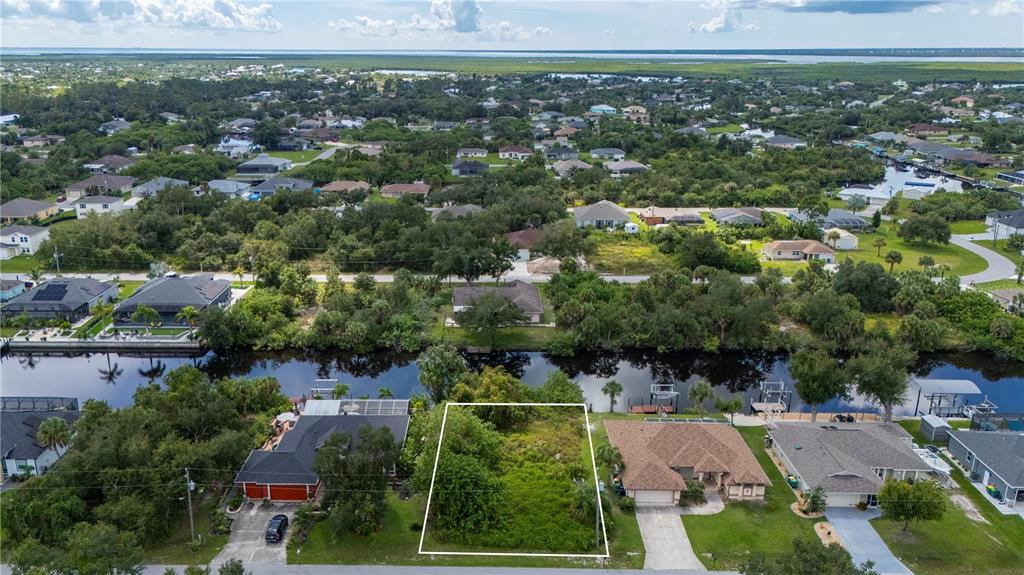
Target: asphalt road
point(262, 569)
point(999, 266)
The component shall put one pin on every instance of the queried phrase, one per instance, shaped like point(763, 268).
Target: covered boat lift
point(941, 395)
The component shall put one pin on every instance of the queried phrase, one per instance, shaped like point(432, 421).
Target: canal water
point(114, 378)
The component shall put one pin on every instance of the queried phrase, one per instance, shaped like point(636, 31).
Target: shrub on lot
point(627, 504)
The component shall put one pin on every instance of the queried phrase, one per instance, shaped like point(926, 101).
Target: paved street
point(422, 570)
point(665, 539)
point(999, 267)
point(862, 541)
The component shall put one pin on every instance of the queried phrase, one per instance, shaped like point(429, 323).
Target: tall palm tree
point(188, 314)
point(147, 315)
point(879, 243)
point(385, 393)
point(833, 238)
point(240, 272)
point(53, 433)
point(612, 389)
point(608, 455)
point(892, 258)
point(700, 392)
point(928, 263)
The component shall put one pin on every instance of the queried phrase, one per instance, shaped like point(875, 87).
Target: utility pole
point(56, 259)
point(189, 486)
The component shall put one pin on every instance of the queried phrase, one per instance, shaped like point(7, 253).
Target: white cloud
point(445, 16)
point(217, 14)
point(1007, 7)
point(935, 9)
point(609, 31)
point(728, 19)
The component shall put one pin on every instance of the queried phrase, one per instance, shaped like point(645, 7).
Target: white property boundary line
point(593, 462)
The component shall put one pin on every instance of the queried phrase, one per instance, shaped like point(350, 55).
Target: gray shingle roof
point(158, 184)
point(839, 457)
point(177, 292)
point(525, 296)
point(292, 461)
point(61, 293)
point(1000, 451)
point(273, 184)
point(18, 431)
point(603, 210)
point(23, 208)
point(20, 229)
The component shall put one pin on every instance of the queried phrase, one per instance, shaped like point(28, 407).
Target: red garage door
point(255, 491)
point(287, 492)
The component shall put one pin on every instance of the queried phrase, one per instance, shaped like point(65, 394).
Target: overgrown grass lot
point(957, 544)
point(726, 540)
point(619, 253)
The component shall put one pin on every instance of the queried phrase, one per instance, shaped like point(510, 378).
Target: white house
point(18, 239)
point(846, 241)
point(21, 452)
point(98, 204)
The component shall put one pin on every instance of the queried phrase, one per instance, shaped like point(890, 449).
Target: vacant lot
point(627, 255)
point(960, 261)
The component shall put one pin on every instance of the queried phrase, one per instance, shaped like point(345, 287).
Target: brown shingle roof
point(653, 451)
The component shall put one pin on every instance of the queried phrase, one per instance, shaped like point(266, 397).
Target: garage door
point(288, 492)
point(652, 497)
point(255, 491)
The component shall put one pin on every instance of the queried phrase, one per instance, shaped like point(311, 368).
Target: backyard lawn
point(729, 538)
point(960, 261)
point(297, 156)
point(127, 288)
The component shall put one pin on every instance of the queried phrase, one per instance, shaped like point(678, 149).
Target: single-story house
point(241, 125)
point(737, 216)
point(685, 220)
point(171, 117)
point(184, 150)
point(346, 186)
point(636, 114)
point(995, 458)
point(25, 239)
point(602, 215)
point(309, 124)
point(66, 298)
point(923, 129)
point(292, 144)
point(158, 184)
point(525, 296)
point(603, 109)
point(285, 472)
point(514, 152)
point(786, 142)
point(624, 167)
point(99, 205)
point(469, 168)
point(524, 240)
point(21, 208)
point(607, 154)
point(661, 457)
point(268, 187)
point(230, 188)
point(560, 153)
point(99, 184)
point(40, 140)
point(565, 168)
point(850, 461)
point(471, 153)
point(443, 126)
point(693, 131)
point(455, 211)
point(109, 164)
point(234, 148)
point(168, 295)
point(11, 288)
point(798, 250)
point(114, 126)
point(399, 190)
point(1015, 178)
point(565, 133)
point(1006, 223)
point(264, 164)
point(22, 453)
point(835, 218)
point(845, 242)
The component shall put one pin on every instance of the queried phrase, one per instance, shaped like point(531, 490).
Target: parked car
point(276, 528)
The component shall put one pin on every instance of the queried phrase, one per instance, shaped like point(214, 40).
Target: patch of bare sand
point(826, 533)
point(967, 506)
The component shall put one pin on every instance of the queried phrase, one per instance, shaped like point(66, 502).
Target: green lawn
point(8, 331)
point(127, 288)
point(956, 544)
point(174, 550)
point(960, 261)
point(20, 264)
point(729, 538)
point(999, 246)
point(999, 284)
point(967, 227)
point(726, 129)
point(297, 156)
point(94, 326)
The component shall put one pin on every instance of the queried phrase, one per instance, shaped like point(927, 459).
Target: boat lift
point(772, 398)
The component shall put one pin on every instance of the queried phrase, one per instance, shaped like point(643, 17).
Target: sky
point(510, 24)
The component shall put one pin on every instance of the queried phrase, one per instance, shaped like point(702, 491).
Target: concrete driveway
point(247, 542)
point(665, 539)
point(862, 541)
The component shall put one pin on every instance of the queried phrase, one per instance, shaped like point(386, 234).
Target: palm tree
point(188, 314)
point(612, 389)
point(384, 393)
point(892, 258)
point(240, 272)
point(340, 390)
point(35, 275)
point(608, 455)
point(53, 433)
point(942, 269)
point(112, 372)
point(155, 370)
point(147, 315)
point(833, 237)
point(1020, 270)
point(928, 263)
point(879, 243)
point(700, 392)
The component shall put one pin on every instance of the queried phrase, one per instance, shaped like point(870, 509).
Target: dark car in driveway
point(276, 528)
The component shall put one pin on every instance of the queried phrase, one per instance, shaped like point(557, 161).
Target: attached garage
point(291, 492)
point(255, 491)
point(654, 497)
